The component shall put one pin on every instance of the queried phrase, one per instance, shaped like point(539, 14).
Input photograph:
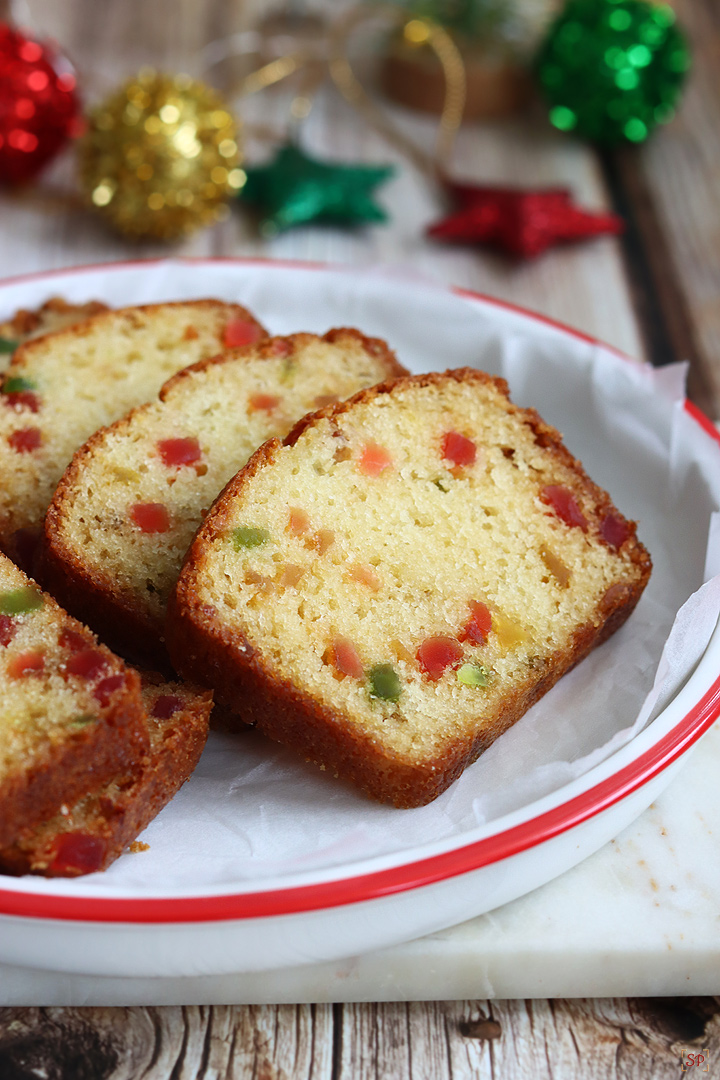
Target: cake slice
point(467, 562)
point(96, 830)
point(62, 387)
point(71, 713)
point(128, 506)
point(54, 314)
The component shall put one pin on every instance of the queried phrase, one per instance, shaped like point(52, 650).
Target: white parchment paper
point(252, 811)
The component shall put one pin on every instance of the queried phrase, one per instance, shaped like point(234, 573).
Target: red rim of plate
point(422, 872)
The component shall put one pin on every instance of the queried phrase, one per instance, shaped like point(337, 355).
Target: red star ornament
point(523, 223)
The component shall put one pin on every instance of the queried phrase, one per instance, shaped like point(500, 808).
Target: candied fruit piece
point(26, 663)
point(26, 440)
point(280, 347)
point(325, 399)
point(71, 639)
point(240, 332)
point(374, 459)
point(19, 391)
point(107, 687)
point(556, 566)
point(166, 706)
point(264, 402)
point(21, 601)
point(321, 541)
point(249, 536)
point(458, 449)
point(77, 853)
point(299, 520)
point(7, 345)
point(614, 530)
point(8, 629)
point(150, 517)
point(479, 625)
point(437, 654)
point(508, 632)
point(179, 451)
point(384, 682)
point(291, 574)
point(473, 675)
point(191, 333)
point(562, 500)
point(86, 663)
point(344, 658)
point(365, 575)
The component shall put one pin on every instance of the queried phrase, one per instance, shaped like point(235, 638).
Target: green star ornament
point(295, 189)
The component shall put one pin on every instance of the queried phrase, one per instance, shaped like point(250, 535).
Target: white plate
point(261, 862)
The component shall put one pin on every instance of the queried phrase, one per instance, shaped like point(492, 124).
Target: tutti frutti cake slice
point(468, 562)
point(55, 314)
point(90, 834)
point(129, 505)
point(71, 713)
point(62, 387)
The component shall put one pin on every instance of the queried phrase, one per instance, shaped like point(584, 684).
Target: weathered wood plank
point(681, 166)
point(464, 1040)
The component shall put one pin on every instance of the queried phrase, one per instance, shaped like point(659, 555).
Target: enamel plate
point(262, 861)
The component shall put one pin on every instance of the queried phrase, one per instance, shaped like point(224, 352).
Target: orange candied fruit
point(26, 663)
point(299, 520)
point(264, 402)
point(150, 517)
point(458, 449)
point(345, 658)
point(365, 575)
point(241, 332)
point(374, 459)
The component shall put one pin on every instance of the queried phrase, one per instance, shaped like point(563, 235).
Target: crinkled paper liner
point(251, 810)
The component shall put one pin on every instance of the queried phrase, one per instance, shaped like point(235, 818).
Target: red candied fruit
point(77, 853)
point(240, 332)
point(150, 517)
point(26, 440)
point(437, 654)
point(373, 459)
point(8, 629)
point(563, 502)
point(106, 688)
point(614, 531)
point(166, 705)
point(71, 639)
point(480, 624)
point(26, 663)
point(23, 399)
point(264, 402)
point(87, 663)
point(179, 451)
point(345, 658)
point(280, 347)
point(458, 449)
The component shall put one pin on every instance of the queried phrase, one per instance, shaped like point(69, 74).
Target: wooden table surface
point(654, 293)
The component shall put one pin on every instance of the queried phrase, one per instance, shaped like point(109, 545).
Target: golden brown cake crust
point(97, 600)
point(202, 647)
point(111, 816)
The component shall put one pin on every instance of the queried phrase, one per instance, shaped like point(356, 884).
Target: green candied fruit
point(249, 536)
point(384, 682)
point(441, 485)
point(7, 345)
point(83, 719)
point(20, 601)
point(473, 675)
point(16, 384)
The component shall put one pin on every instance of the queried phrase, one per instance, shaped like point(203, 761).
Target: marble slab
point(640, 917)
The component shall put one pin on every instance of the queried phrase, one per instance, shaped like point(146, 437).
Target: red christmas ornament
point(523, 223)
point(39, 105)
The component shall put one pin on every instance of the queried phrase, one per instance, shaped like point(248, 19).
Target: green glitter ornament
point(612, 70)
point(296, 189)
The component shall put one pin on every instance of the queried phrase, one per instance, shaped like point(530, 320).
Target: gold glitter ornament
point(160, 157)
